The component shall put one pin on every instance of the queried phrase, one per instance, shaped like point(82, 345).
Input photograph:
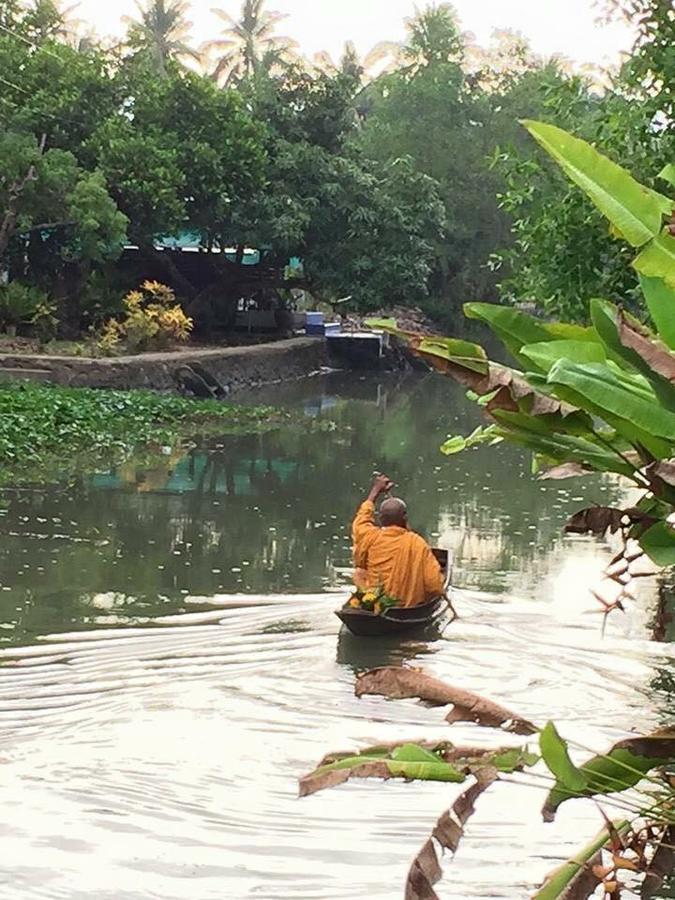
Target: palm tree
point(163, 31)
point(506, 59)
point(378, 61)
point(249, 43)
point(433, 36)
point(49, 21)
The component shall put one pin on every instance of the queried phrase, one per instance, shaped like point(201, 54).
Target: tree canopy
point(401, 177)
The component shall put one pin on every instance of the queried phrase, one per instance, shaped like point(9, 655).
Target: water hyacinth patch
point(47, 430)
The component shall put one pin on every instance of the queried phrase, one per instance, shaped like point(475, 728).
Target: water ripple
point(164, 759)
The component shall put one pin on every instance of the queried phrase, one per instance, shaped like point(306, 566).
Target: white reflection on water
point(164, 762)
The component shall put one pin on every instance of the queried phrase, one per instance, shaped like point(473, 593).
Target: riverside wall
point(233, 367)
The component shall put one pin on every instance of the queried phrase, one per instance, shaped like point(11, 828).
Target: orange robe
point(395, 557)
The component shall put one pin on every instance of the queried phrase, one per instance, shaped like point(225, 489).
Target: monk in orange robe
point(391, 554)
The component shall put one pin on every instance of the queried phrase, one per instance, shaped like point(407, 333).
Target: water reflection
point(359, 655)
point(171, 662)
point(271, 512)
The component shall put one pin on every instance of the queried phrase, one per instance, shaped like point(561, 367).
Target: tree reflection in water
point(271, 512)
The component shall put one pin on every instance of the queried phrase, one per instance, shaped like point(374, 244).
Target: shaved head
point(394, 512)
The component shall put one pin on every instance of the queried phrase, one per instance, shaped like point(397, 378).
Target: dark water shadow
point(363, 653)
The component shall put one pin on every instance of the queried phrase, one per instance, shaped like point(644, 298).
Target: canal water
point(170, 664)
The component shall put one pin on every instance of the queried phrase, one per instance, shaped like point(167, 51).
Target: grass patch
point(48, 432)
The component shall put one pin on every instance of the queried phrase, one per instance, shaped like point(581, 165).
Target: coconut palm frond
point(50, 19)
point(323, 61)
point(253, 35)
point(162, 28)
point(218, 45)
point(383, 50)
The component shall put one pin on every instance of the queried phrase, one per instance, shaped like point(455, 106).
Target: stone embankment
point(232, 367)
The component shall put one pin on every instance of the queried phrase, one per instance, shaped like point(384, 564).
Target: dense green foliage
point(597, 399)
point(396, 179)
point(50, 431)
point(652, 62)
point(100, 148)
point(561, 255)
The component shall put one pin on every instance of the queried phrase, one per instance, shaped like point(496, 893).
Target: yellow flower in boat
point(370, 596)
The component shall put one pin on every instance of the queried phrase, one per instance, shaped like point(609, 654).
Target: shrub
point(153, 321)
point(44, 320)
point(101, 298)
point(19, 303)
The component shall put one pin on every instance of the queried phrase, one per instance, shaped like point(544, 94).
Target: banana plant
point(633, 776)
point(586, 399)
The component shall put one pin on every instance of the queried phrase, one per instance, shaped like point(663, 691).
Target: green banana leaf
point(516, 329)
point(489, 435)
point(658, 542)
point(463, 353)
point(568, 331)
point(608, 319)
point(604, 317)
point(635, 211)
point(608, 389)
point(578, 423)
point(387, 324)
point(624, 766)
point(624, 436)
point(555, 754)
point(545, 355)
point(561, 448)
point(657, 260)
point(667, 173)
point(513, 328)
point(660, 299)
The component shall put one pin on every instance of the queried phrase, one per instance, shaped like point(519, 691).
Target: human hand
point(381, 484)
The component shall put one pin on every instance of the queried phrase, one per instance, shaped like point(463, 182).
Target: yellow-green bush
point(153, 321)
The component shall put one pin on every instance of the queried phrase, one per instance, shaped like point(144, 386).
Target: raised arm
point(364, 522)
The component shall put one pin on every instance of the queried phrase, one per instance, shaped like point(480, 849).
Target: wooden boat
point(399, 620)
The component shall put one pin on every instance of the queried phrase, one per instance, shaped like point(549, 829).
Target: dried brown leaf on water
point(321, 780)
point(653, 351)
point(662, 864)
point(596, 520)
point(426, 870)
point(401, 682)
